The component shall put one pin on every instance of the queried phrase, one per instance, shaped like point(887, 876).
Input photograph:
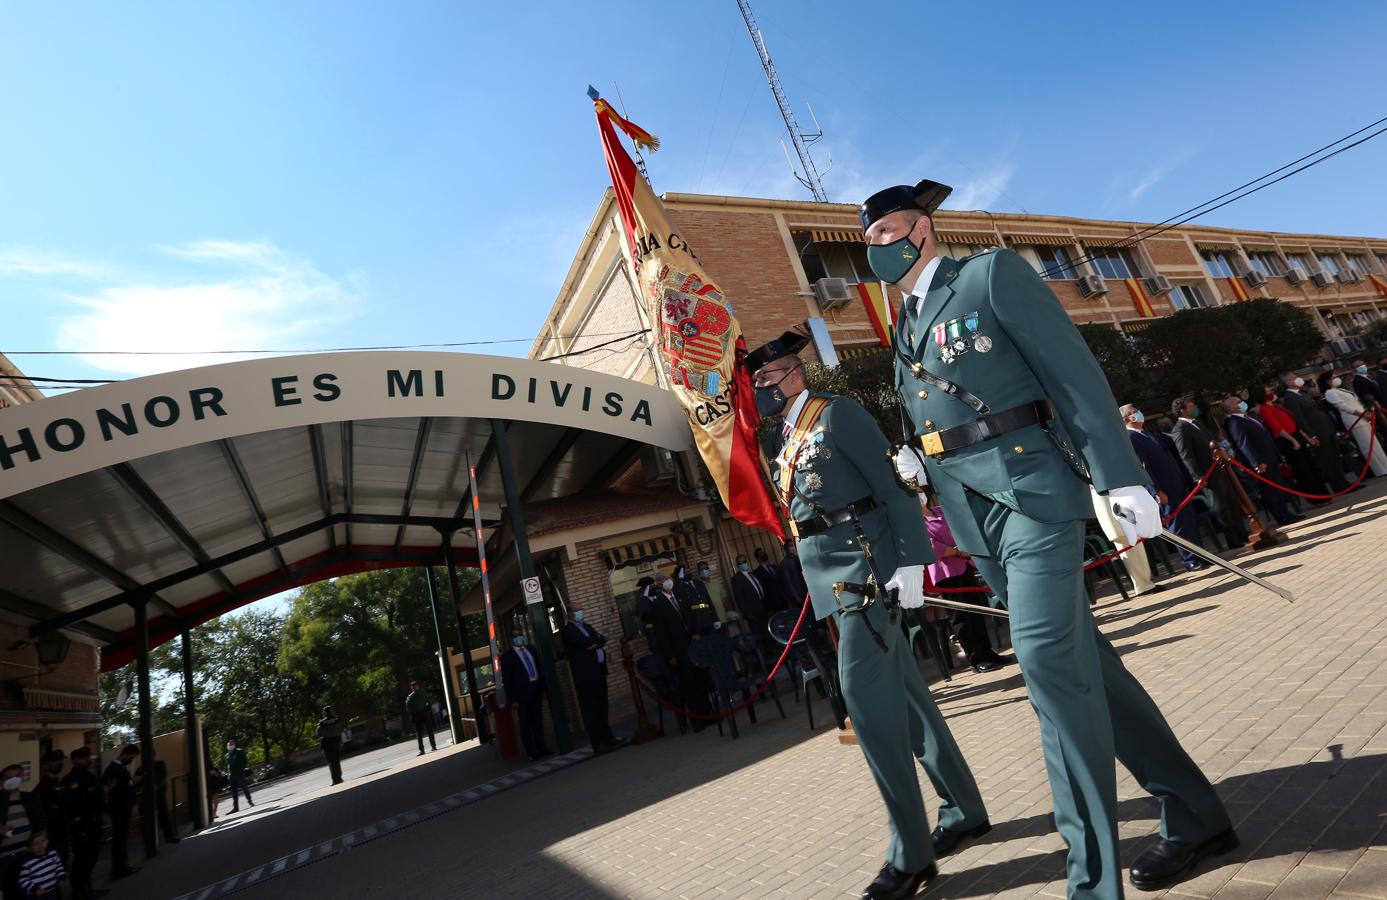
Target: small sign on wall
point(533, 594)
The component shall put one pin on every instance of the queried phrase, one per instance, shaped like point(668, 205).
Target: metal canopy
point(203, 528)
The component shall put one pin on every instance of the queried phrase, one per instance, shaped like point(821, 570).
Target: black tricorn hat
point(788, 343)
point(926, 196)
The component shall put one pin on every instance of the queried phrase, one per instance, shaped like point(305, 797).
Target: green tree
point(1121, 361)
point(870, 379)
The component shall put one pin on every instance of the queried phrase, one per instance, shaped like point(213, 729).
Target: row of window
point(849, 261)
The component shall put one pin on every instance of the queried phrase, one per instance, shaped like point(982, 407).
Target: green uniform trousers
point(896, 722)
point(1090, 707)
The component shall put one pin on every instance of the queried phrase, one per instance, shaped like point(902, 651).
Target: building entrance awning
point(199, 491)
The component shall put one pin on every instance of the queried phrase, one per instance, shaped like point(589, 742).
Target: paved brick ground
point(1285, 707)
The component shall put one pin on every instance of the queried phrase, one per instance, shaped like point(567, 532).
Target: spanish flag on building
point(880, 312)
point(696, 334)
point(1139, 298)
point(1239, 289)
point(1380, 284)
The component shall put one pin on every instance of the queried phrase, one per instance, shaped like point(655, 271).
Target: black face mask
point(770, 400)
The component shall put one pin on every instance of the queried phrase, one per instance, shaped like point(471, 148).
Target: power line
point(1195, 212)
point(286, 352)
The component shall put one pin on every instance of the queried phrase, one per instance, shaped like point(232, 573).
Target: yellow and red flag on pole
point(1239, 289)
point(879, 310)
point(1140, 299)
point(696, 334)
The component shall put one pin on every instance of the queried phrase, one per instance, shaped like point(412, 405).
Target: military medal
point(981, 342)
point(813, 481)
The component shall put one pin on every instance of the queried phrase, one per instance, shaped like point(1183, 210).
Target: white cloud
point(30, 261)
point(1156, 175)
point(253, 296)
point(984, 189)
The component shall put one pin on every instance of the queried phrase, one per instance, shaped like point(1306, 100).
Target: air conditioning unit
point(1349, 276)
point(1092, 286)
point(1295, 274)
point(1157, 284)
point(832, 293)
point(658, 466)
point(1254, 278)
point(1322, 279)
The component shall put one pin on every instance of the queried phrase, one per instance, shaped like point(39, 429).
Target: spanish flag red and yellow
point(1380, 284)
point(1239, 289)
point(879, 310)
point(698, 338)
point(1140, 299)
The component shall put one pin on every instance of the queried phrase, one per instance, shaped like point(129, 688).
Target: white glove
point(1136, 511)
point(909, 584)
point(909, 466)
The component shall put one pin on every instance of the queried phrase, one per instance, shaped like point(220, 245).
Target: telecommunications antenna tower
point(802, 140)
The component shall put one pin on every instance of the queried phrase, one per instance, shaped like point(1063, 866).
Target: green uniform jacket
point(417, 703)
point(236, 761)
point(846, 461)
point(1035, 353)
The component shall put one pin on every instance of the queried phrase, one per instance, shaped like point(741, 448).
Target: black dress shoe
point(124, 873)
point(1169, 862)
point(948, 840)
point(893, 884)
point(989, 662)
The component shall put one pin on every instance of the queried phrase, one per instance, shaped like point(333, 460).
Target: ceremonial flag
point(879, 312)
point(1239, 289)
point(1380, 284)
point(1139, 298)
point(698, 338)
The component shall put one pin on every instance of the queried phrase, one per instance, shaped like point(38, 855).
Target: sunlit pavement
point(1284, 705)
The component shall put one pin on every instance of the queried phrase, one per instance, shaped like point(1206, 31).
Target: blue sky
point(217, 176)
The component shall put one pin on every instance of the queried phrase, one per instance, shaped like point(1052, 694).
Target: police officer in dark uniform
point(700, 615)
point(54, 799)
point(84, 808)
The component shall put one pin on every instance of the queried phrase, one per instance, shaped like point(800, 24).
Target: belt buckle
point(932, 443)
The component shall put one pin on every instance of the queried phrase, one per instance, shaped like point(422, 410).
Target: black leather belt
point(868, 591)
point(937, 443)
point(822, 522)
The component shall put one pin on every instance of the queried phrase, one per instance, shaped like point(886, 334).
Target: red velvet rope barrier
point(1367, 464)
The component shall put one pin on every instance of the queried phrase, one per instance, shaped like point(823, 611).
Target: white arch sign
point(67, 435)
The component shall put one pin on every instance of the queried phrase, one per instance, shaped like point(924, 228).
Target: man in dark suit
point(771, 582)
point(1194, 445)
point(670, 639)
point(1258, 451)
point(1381, 376)
point(587, 660)
point(1366, 387)
point(1169, 478)
point(1318, 428)
point(749, 597)
point(792, 576)
point(524, 684)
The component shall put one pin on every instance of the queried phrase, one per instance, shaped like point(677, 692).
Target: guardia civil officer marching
point(1013, 419)
point(860, 538)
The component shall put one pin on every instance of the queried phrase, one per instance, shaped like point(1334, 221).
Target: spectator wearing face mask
point(120, 802)
point(1321, 434)
point(749, 597)
point(771, 582)
point(587, 660)
point(1168, 476)
point(1258, 451)
point(21, 814)
point(1351, 412)
point(670, 638)
point(524, 683)
point(700, 615)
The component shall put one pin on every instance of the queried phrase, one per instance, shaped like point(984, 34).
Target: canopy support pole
point(148, 783)
point(445, 663)
point(197, 787)
point(539, 619)
point(473, 691)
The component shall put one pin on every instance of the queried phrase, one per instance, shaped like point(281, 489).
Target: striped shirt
point(20, 826)
point(41, 872)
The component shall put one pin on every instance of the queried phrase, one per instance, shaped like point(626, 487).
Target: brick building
point(48, 687)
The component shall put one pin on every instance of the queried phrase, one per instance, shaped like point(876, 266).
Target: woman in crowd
point(1350, 410)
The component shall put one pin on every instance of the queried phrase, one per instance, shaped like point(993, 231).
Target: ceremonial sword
point(1211, 558)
